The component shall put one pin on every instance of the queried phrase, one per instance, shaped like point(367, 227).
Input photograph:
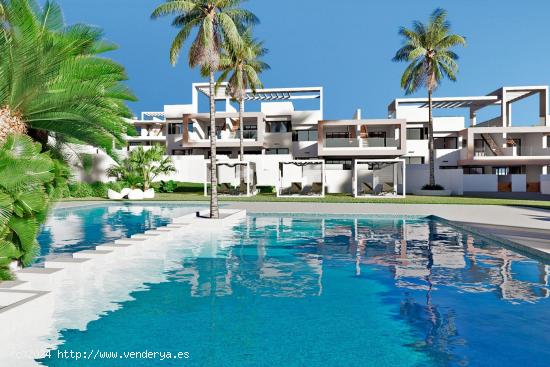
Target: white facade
point(470, 155)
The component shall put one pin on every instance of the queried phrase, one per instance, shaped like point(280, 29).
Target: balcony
point(362, 138)
point(361, 143)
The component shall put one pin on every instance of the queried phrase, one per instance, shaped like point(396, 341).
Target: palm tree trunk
point(40, 136)
point(431, 139)
point(214, 210)
point(241, 142)
point(10, 123)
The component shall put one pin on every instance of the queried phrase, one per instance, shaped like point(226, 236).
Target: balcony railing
point(361, 143)
point(513, 152)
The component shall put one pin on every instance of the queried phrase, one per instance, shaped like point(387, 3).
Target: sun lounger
point(387, 188)
point(317, 188)
point(366, 189)
point(224, 189)
point(296, 188)
point(242, 188)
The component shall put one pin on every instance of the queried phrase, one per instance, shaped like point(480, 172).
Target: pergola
point(304, 178)
point(235, 178)
point(379, 178)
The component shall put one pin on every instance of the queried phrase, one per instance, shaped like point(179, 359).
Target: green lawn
point(343, 198)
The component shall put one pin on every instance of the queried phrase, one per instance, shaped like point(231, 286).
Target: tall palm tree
point(244, 65)
point(217, 23)
point(427, 49)
point(53, 82)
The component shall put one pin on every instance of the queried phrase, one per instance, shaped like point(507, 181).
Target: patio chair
point(317, 188)
point(387, 188)
point(242, 188)
point(296, 188)
point(224, 189)
point(366, 188)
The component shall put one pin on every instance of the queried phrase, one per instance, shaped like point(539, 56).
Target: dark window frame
point(277, 151)
point(311, 135)
point(446, 145)
point(408, 160)
point(269, 127)
point(423, 133)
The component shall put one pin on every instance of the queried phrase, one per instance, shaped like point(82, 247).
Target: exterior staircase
point(488, 139)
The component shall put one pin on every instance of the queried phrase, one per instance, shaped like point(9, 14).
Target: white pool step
point(113, 246)
point(40, 278)
point(13, 284)
point(65, 262)
point(91, 254)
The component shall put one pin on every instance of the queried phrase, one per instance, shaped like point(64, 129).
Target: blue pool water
point(81, 228)
point(313, 291)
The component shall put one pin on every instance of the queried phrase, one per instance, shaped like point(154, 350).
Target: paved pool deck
point(527, 226)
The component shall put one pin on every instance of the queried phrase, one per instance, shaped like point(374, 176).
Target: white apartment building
point(287, 124)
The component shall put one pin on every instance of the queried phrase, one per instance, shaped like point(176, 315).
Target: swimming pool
point(69, 230)
point(316, 291)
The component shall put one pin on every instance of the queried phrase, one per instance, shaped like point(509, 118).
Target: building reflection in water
point(288, 257)
point(284, 257)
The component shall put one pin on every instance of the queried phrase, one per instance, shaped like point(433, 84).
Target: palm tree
point(53, 82)
point(244, 65)
point(427, 49)
point(143, 166)
point(217, 23)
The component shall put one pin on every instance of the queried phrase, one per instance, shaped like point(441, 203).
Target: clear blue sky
point(345, 46)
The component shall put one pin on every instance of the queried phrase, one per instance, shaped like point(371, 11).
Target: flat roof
point(266, 94)
point(510, 94)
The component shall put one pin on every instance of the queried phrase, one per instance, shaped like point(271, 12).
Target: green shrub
point(167, 186)
point(189, 187)
point(96, 189)
point(434, 187)
point(24, 174)
point(81, 190)
point(266, 189)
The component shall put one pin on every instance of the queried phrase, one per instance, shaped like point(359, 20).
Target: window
point(500, 171)
point(448, 167)
point(190, 127)
point(334, 164)
point(277, 151)
point(175, 129)
point(473, 170)
point(417, 133)
point(250, 131)
point(179, 152)
point(548, 141)
point(304, 135)
point(278, 127)
point(446, 143)
point(414, 160)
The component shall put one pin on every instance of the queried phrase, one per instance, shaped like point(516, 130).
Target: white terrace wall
point(545, 184)
point(418, 176)
point(338, 181)
point(519, 183)
point(193, 168)
point(480, 183)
